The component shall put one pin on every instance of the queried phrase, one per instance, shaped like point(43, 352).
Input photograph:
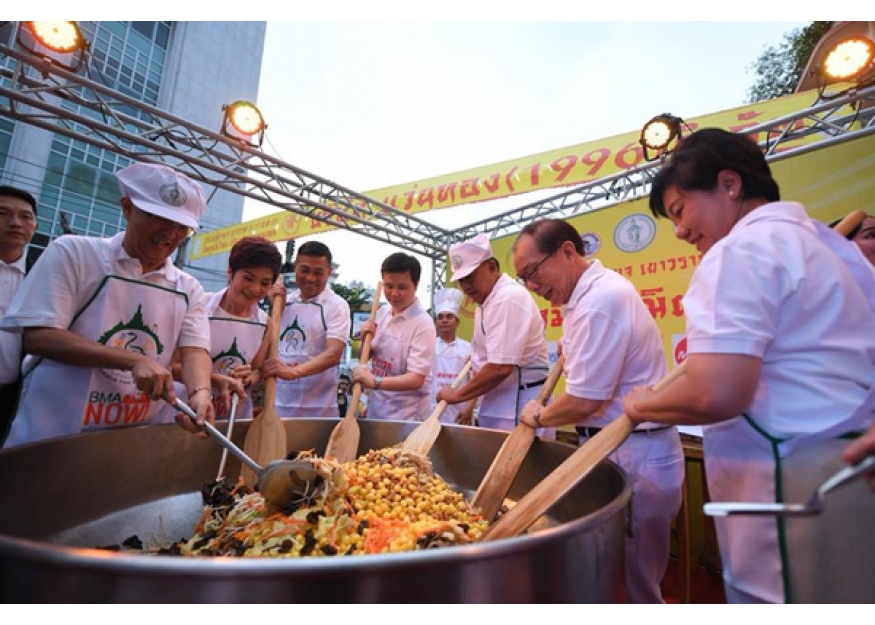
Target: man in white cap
point(509, 349)
point(101, 318)
point(451, 353)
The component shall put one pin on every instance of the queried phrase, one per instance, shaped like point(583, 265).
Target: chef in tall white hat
point(451, 353)
point(101, 318)
point(509, 348)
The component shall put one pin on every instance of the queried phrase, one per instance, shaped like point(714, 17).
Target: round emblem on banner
point(634, 232)
point(592, 243)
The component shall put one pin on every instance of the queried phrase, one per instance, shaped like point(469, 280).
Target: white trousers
point(654, 464)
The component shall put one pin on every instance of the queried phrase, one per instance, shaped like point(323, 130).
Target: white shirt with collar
point(776, 288)
point(610, 341)
point(403, 342)
point(509, 330)
point(11, 276)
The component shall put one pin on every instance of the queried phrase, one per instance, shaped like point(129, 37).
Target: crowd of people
point(780, 365)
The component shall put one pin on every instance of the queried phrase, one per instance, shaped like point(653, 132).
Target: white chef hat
point(465, 257)
point(159, 190)
point(448, 300)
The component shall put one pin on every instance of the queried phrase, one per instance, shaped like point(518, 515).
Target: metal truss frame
point(38, 92)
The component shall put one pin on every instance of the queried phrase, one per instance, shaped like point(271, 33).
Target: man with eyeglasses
point(611, 344)
point(314, 332)
point(509, 349)
point(17, 227)
point(101, 318)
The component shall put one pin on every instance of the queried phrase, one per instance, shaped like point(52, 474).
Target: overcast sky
point(368, 105)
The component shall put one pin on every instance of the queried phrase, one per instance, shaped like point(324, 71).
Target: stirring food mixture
point(385, 501)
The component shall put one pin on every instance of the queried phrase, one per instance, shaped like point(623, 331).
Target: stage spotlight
point(660, 136)
point(61, 43)
point(243, 121)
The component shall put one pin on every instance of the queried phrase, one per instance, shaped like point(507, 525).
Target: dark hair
point(315, 248)
point(21, 194)
point(549, 235)
point(399, 262)
point(255, 252)
point(704, 154)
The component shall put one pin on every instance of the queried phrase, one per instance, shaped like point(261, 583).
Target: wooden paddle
point(266, 439)
point(506, 464)
point(421, 440)
point(568, 474)
point(344, 442)
point(850, 221)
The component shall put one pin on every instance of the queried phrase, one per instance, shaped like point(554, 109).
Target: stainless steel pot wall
point(62, 497)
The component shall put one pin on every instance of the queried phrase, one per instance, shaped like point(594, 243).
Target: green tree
point(356, 295)
point(779, 68)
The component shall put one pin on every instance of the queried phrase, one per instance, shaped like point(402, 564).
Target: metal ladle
point(813, 506)
point(282, 483)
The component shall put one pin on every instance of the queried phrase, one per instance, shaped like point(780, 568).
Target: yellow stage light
point(658, 135)
point(244, 121)
point(63, 37)
point(848, 58)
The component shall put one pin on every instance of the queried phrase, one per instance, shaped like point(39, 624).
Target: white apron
point(233, 342)
point(762, 556)
point(448, 362)
point(395, 405)
point(59, 399)
point(303, 338)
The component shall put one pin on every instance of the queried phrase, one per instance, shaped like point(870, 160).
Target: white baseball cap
point(448, 301)
point(162, 191)
point(465, 257)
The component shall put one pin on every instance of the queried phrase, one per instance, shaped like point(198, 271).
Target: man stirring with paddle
point(611, 344)
point(509, 350)
point(102, 317)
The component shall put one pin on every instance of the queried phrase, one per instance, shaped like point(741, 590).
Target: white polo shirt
point(610, 341)
point(403, 342)
point(11, 275)
point(509, 330)
point(775, 289)
point(69, 272)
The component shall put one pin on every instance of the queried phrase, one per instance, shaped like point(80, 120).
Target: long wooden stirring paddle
point(266, 439)
point(849, 222)
point(344, 441)
point(422, 439)
point(568, 474)
point(506, 464)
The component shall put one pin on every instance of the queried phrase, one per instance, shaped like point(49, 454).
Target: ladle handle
point(231, 418)
point(181, 406)
point(848, 474)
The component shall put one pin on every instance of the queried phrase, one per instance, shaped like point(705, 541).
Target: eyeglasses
point(523, 278)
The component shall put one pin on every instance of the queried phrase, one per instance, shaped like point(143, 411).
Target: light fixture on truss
point(660, 136)
point(60, 43)
point(244, 122)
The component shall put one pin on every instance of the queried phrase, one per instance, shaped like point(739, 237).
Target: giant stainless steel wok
point(61, 498)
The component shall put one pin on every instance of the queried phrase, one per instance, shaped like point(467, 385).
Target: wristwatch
point(378, 381)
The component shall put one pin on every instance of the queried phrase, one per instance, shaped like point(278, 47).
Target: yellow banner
point(572, 165)
point(830, 183)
